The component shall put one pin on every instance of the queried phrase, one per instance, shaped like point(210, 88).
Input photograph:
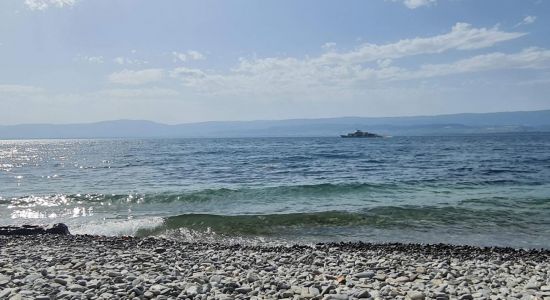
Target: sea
point(483, 190)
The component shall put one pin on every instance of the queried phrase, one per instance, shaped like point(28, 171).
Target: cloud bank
point(363, 67)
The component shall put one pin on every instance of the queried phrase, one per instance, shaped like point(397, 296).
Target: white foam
point(116, 227)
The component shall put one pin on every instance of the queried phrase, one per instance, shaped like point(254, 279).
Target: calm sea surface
point(479, 190)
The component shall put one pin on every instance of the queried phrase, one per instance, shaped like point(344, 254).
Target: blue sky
point(172, 61)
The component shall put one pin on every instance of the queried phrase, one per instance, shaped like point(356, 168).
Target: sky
point(178, 61)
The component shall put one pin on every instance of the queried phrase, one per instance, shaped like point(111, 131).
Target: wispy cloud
point(413, 4)
point(178, 56)
point(530, 58)
point(461, 37)
point(121, 60)
point(189, 55)
point(526, 21)
point(44, 4)
point(293, 76)
point(136, 77)
point(329, 46)
point(367, 65)
point(90, 59)
point(139, 93)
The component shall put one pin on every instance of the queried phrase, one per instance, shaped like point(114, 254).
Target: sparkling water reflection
point(471, 189)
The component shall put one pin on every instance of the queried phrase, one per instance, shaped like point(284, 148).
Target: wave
point(373, 192)
point(323, 190)
point(383, 217)
point(507, 202)
point(116, 227)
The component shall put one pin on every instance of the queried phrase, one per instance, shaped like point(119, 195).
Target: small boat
point(361, 134)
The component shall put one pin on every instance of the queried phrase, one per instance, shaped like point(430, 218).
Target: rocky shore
point(92, 267)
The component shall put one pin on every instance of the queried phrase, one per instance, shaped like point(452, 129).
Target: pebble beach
point(95, 267)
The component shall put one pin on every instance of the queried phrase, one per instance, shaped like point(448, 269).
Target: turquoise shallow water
point(481, 190)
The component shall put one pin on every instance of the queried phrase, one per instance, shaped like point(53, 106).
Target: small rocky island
point(361, 134)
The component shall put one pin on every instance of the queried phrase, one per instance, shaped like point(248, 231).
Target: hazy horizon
point(503, 122)
point(275, 120)
point(173, 62)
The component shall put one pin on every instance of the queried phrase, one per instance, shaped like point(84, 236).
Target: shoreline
point(99, 267)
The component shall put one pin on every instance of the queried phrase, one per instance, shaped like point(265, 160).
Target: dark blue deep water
point(479, 190)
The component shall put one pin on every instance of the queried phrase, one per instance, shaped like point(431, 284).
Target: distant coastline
point(453, 124)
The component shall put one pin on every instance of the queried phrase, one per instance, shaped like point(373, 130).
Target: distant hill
point(502, 122)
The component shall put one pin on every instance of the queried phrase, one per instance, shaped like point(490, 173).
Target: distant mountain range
point(470, 123)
